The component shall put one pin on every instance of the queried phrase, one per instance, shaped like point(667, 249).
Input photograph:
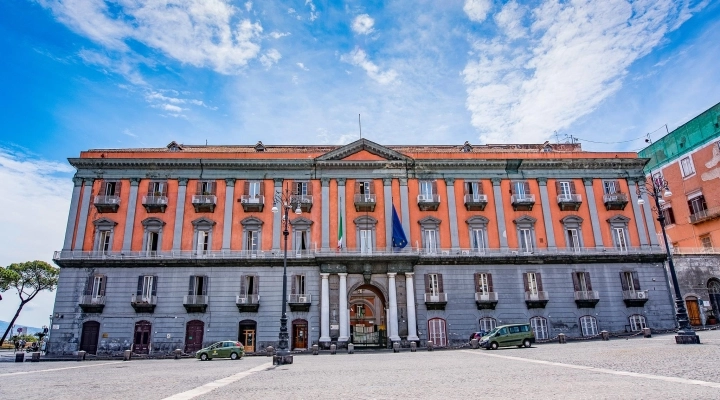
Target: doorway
point(299, 334)
point(89, 337)
point(194, 335)
point(141, 342)
point(247, 334)
point(367, 317)
point(693, 310)
point(436, 332)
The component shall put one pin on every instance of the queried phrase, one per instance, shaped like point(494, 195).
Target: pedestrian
point(17, 345)
point(22, 344)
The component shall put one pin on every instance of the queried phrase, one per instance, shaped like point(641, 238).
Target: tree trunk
point(12, 322)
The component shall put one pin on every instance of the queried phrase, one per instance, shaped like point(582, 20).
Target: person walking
point(22, 344)
point(17, 344)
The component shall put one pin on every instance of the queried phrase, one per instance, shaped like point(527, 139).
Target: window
point(298, 285)
point(619, 232)
point(248, 286)
point(104, 229)
point(98, 286)
point(611, 187)
point(487, 324)
point(478, 240)
point(669, 215)
point(630, 281)
point(532, 285)
point(573, 239)
point(473, 188)
point(428, 189)
point(152, 237)
point(109, 188)
point(433, 284)
point(206, 188)
point(254, 189)
point(203, 242)
point(436, 332)
point(565, 189)
point(430, 238)
point(198, 285)
point(620, 241)
point(365, 190)
point(581, 281)
point(153, 241)
point(521, 189)
point(252, 229)
point(526, 233)
point(525, 238)
point(365, 241)
point(431, 241)
point(147, 288)
point(365, 233)
point(478, 233)
point(637, 323)
point(252, 241)
point(301, 241)
point(697, 204)
point(300, 188)
point(539, 327)
point(686, 166)
point(105, 241)
point(483, 283)
point(301, 235)
point(706, 242)
point(203, 228)
point(588, 325)
point(157, 188)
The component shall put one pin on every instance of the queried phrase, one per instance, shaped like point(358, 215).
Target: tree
point(28, 278)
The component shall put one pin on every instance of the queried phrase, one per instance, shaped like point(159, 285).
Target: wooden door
point(300, 332)
point(141, 342)
point(194, 336)
point(249, 340)
point(693, 311)
point(89, 337)
point(436, 332)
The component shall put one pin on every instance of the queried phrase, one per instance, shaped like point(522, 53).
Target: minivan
point(508, 335)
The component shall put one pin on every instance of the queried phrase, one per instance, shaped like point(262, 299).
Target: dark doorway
point(299, 334)
point(141, 343)
point(89, 337)
point(194, 336)
point(247, 333)
point(367, 317)
point(714, 294)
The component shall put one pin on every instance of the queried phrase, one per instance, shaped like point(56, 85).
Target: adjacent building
point(689, 159)
point(177, 247)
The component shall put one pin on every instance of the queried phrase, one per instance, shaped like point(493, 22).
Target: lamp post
point(658, 188)
point(284, 200)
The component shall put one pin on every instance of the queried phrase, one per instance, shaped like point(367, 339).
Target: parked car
point(508, 335)
point(477, 335)
point(226, 349)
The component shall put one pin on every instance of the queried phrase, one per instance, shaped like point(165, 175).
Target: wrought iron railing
point(247, 299)
point(299, 298)
point(102, 199)
point(615, 198)
point(155, 200)
point(704, 215)
point(140, 299)
point(365, 198)
point(195, 299)
point(635, 294)
point(428, 198)
point(476, 198)
point(522, 198)
point(252, 199)
point(587, 295)
point(569, 198)
point(536, 296)
point(436, 298)
point(486, 296)
point(89, 299)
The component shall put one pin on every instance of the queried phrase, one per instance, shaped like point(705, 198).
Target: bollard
point(81, 355)
point(561, 338)
point(605, 335)
point(127, 355)
point(474, 344)
point(315, 350)
point(35, 356)
point(333, 348)
point(177, 352)
point(396, 347)
point(646, 332)
point(351, 348)
point(413, 347)
point(19, 357)
point(430, 345)
point(269, 351)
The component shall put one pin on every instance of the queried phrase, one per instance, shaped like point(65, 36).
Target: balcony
point(475, 202)
point(92, 304)
point(486, 300)
point(428, 202)
point(248, 302)
point(615, 201)
point(107, 204)
point(252, 202)
point(143, 304)
point(195, 303)
point(522, 202)
point(436, 301)
point(155, 203)
point(705, 215)
point(365, 202)
point(299, 302)
point(587, 298)
point(569, 202)
point(204, 202)
point(635, 298)
point(305, 201)
point(536, 300)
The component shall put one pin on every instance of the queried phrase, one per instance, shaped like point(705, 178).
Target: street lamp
point(284, 200)
point(657, 187)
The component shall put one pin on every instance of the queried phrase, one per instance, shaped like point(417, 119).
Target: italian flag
point(340, 234)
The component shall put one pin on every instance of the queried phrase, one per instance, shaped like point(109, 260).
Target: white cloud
point(358, 57)
point(291, 10)
point(202, 33)
point(124, 66)
point(271, 57)
point(477, 10)
point(313, 13)
point(128, 133)
point(248, 6)
point(576, 56)
point(171, 108)
point(363, 24)
point(509, 20)
point(302, 67)
point(278, 35)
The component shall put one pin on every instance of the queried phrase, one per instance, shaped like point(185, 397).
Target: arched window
point(588, 324)
point(539, 327)
point(713, 286)
point(436, 332)
point(637, 322)
point(487, 324)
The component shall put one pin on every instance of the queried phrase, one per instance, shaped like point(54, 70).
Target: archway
point(247, 334)
point(141, 341)
point(89, 337)
point(713, 286)
point(299, 334)
point(367, 316)
point(194, 335)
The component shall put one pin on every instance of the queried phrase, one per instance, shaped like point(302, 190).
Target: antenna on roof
point(360, 125)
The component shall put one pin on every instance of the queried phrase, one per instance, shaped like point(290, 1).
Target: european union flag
point(398, 235)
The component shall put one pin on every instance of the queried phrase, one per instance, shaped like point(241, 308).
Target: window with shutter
point(434, 284)
point(482, 286)
point(588, 325)
point(539, 327)
point(532, 283)
point(98, 286)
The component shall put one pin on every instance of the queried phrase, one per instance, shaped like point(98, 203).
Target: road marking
point(59, 369)
point(604, 370)
point(209, 387)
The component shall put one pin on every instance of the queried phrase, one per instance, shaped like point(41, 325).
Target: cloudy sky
point(79, 74)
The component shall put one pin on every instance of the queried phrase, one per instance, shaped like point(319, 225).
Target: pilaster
point(410, 296)
point(547, 217)
point(179, 213)
point(405, 207)
point(227, 221)
point(452, 213)
point(325, 190)
point(594, 221)
point(637, 213)
point(499, 212)
point(324, 309)
point(130, 215)
point(392, 314)
point(84, 207)
point(72, 215)
point(344, 322)
point(277, 188)
point(341, 209)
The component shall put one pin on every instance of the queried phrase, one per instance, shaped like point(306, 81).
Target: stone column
point(72, 215)
point(392, 314)
point(84, 207)
point(594, 221)
point(650, 221)
point(637, 213)
point(499, 212)
point(405, 208)
point(229, 203)
point(324, 309)
point(344, 323)
point(410, 295)
point(278, 216)
point(387, 198)
point(452, 213)
point(325, 240)
point(130, 216)
point(341, 211)
point(179, 213)
point(547, 218)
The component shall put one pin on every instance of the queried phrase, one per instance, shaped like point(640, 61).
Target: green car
point(226, 349)
point(508, 335)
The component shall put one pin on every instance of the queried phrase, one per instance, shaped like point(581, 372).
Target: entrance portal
point(247, 332)
point(194, 336)
point(89, 337)
point(367, 317)
point(693, 310)
point(141, 343)
point(299, 334)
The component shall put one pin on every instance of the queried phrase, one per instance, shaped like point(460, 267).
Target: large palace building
point(178, 247)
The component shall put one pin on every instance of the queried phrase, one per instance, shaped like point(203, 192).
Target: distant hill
point(26, 329)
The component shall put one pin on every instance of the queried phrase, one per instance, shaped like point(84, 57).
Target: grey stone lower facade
point(699, 280)
point(448, 323)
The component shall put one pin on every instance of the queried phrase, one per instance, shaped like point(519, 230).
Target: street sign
point(19, 330)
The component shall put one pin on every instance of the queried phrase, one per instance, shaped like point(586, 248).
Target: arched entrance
point(693, 310)
point(299, 334)
point(141, 341)
point(247, 332)
point(89, 337)
point(367, 317)
point(194, 335)
point(714, 294)
point(437, 332)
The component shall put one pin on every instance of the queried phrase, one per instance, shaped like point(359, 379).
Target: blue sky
point(79, 74)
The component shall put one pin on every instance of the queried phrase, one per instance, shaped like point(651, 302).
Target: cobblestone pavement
point(637, 368)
